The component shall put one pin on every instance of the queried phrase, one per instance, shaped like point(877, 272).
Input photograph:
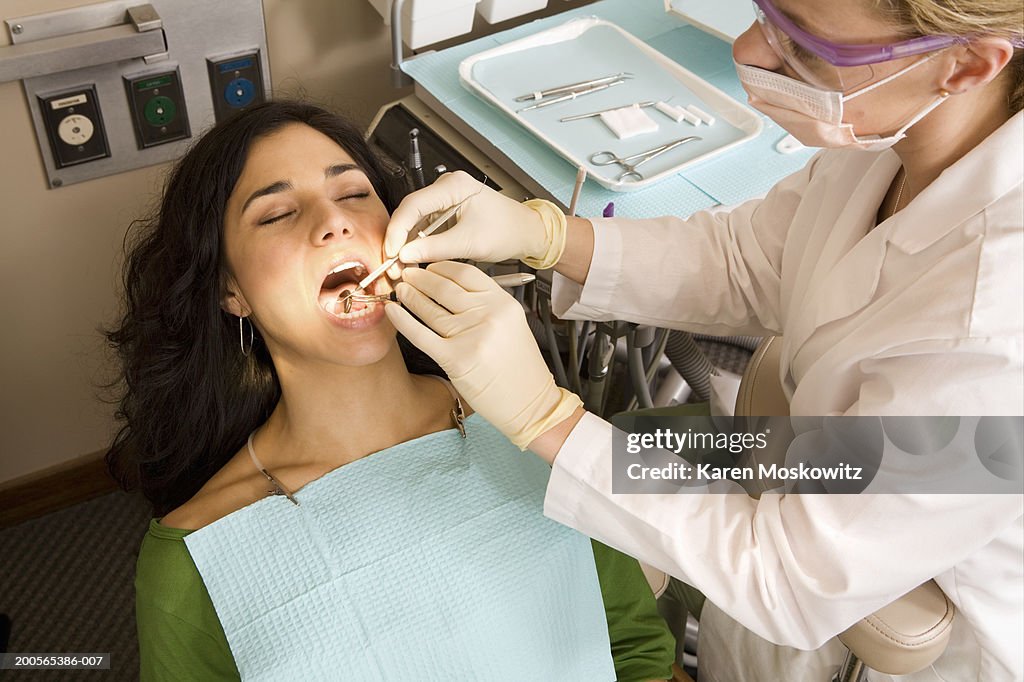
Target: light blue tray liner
point(430, 560)
point(730, 178)
point(600, 51)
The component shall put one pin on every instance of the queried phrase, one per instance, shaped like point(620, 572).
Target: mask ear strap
point(891, 77)
point(924, 112)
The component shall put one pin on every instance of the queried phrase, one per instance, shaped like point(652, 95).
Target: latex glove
point(479, 336)
point(491, 227)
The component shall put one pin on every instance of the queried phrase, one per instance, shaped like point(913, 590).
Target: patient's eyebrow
point(340, 168)
point(274, 188)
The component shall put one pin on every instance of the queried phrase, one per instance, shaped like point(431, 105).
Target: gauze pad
point(629, 122)
point(430, 560)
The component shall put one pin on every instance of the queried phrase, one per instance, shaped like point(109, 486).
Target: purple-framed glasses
point(839, 54)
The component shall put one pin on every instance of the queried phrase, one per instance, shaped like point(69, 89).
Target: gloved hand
point(491, 227)
point(479, 336)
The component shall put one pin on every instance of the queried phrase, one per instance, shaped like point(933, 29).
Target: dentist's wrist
point(557, 406)
point(549, 443)
point(552, 244)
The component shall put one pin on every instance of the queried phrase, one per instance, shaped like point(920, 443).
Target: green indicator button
point(158, 82)
point(160, 111)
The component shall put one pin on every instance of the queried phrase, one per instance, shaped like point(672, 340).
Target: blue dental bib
point(430, 560)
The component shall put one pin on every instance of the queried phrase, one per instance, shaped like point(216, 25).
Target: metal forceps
point(629, 164)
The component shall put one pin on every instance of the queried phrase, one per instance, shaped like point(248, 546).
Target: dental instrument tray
point(592, 53)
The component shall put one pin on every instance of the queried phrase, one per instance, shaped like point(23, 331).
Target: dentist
point(891, 265)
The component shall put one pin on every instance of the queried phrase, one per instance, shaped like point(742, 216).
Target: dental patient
point(326, 507)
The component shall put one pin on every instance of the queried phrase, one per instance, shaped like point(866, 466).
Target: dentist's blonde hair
point(963, 18)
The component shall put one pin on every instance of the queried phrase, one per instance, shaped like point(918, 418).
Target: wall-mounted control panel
point(74, 126)
point(117, 85)
point(158, 108)
point(236, 83)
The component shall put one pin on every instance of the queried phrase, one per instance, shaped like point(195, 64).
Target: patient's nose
point(330, 225)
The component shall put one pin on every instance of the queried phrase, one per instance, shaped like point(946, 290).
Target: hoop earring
point(241, 337)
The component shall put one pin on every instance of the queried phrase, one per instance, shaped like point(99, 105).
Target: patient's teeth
point(345, 266)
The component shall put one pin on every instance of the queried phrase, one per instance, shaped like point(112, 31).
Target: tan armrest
point(760, 392)
point(656, 578)
point(905, 636)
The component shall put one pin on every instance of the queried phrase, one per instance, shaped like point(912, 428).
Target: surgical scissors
point(607, 158)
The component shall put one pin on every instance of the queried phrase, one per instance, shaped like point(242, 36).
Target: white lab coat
point(921, 315)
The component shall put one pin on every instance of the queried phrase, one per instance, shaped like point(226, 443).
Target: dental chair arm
point(907, 635)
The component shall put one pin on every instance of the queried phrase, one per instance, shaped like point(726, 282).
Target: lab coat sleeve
point(794, 569)
point(716, 272)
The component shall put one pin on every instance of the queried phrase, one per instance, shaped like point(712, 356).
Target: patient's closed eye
point(358, 195)
point(361, 194)
point(274, 219)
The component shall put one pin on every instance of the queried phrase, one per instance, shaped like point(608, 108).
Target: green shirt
point(181, 638)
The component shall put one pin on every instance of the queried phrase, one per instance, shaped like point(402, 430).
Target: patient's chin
point(369, 352)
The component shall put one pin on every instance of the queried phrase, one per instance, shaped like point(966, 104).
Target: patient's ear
point(231, 298)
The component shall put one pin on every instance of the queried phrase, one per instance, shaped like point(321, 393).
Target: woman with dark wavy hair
point(379, 532)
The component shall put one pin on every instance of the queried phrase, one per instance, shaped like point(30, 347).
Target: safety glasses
point(816, 60)
point(840, 54)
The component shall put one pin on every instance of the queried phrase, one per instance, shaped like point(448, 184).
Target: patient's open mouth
point(343, 278)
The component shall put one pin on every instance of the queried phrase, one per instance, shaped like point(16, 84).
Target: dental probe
point(541, 94)
point(571, 96)
point(425, 232)
point(511, 281)
point(578, 117)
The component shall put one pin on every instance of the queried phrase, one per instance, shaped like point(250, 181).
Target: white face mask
point(815, 115)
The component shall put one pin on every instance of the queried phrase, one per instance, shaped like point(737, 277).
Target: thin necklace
point(458, 415)
point(278, 488)
point(899, 192)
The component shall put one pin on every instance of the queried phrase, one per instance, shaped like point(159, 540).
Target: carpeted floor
point(66, 584)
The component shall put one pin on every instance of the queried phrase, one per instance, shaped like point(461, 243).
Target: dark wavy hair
point(187, 396)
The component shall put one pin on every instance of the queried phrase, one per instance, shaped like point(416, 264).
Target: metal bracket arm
point(398, 77)
point(141, 36)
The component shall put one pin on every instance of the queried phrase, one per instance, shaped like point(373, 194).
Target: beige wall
point(60, 249)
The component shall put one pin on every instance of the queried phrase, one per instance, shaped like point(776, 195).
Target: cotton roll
point(701, 114)
point(674, 113)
